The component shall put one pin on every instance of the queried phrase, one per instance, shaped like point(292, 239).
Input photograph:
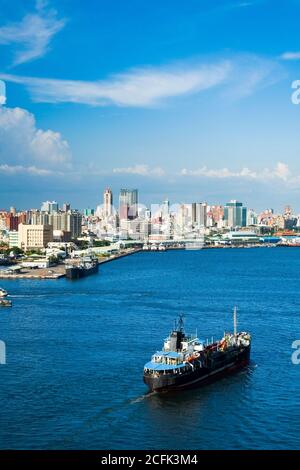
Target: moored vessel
point(185, 361)
point(161, 247)
point(3, 293)
point(88, 265)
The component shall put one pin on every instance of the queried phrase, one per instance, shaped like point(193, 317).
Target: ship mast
point(180, 324)
point(234, 321)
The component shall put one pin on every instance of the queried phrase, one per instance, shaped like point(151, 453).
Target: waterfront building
point(235, 214)
point(128, 204)
point(241, 237)
point(34, 236)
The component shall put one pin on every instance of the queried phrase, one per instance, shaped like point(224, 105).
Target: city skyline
point(133, 221)
point(110, 204)
point(186, 113)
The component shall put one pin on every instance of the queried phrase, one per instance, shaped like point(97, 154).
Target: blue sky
point(187, 100)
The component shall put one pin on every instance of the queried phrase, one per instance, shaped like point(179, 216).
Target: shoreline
point(58, 272)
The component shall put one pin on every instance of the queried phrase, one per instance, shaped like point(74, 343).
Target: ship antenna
point(234, 320)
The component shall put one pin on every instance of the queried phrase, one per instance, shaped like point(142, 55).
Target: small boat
point(3, 293)
point(153, 247)
point(145, 247)
point(162, 247)
point(5, 303)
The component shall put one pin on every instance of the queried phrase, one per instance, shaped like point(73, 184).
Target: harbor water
point(75, 352)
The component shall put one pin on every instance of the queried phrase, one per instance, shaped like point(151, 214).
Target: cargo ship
point(88, 265)
point(185, 361)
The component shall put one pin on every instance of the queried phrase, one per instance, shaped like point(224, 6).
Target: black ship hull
point(5, 262)
point(232, 362)
point(77, 272)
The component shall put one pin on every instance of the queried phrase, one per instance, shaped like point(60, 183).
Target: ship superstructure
point(88, 265)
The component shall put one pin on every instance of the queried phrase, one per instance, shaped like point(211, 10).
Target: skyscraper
point(49, 206)
point(66, 207)
point(107, 203)
point(128, 204)
point(235, 215)
point(199, 214)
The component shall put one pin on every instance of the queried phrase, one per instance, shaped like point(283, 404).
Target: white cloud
point(139, 87)
point(281, 171)
point(31, 170)
point(240, 76)
point(2, 93)
point(290, 56)
point(141, 170)
point(32, 35)
point(22, 144)
point(251, 73)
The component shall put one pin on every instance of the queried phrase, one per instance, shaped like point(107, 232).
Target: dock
point(54, 272)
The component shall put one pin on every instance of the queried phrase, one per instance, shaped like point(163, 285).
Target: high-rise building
point(235, 215)
point(128, 204)
point(199, 214)
point(107, 203)
point(12, 221)
point(40, 218)
point(67, 222)
point(74, 223)
point(165, 210)
point(66, 207)
point(49, 207)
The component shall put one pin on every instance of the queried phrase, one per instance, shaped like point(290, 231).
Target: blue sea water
point(76, 350)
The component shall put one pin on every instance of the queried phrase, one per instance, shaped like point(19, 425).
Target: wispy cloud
point(290, 55)
point(281, 171)
point(141, 170)
point(31, 36)
point(240, 76)
point(139, 87)
point(2, 93)
point(251, 73)
point(31, 170)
